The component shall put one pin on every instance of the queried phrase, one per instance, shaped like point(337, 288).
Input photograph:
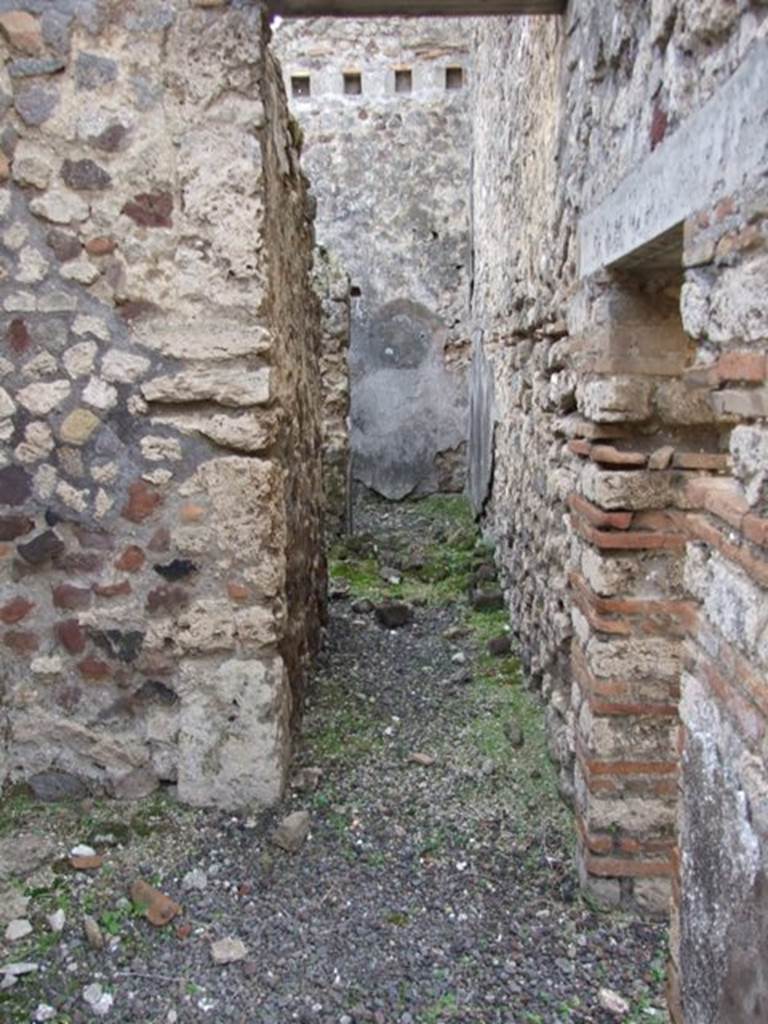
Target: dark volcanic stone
point(142, 502)
point(167, 599)
point(65, 246)
point(71, 636)
point(160, 539)
point(132, 309)
point(116, 643)
point(80, 561)
point(36, 104)
point(155, 692)
point(93, 72)
point(110, 590)
point(94, 539)
point(12, 527)
point(30, 67)
point(56, 27)
point(394, 615)
point(53, 786)
point(111, 139)
point(21, 641)
point(15, 485)
point(94, 669)
point(85, 175)
point(19, 337)
point(150, 209)
point(72, 598)
point(41, 548)
point(15, 610)
point(178, 569)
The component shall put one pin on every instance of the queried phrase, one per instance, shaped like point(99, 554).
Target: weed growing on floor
point(344, 728)
point(435, 565)
point(18, 807)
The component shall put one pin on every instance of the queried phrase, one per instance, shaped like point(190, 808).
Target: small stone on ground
point(228, 951)
point(292, 831)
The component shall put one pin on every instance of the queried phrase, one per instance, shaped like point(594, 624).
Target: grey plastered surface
point(716, 151)
point(406, 406)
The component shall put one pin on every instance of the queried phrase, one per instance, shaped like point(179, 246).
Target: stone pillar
point(161, 570)
point(720, 919)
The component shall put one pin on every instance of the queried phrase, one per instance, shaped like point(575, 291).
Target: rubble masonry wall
point(389, 168)
point(162, 571)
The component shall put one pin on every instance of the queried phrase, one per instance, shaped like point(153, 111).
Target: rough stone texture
point(390, 171)
point(618, 433)
point(332, 288)
point(160, 408)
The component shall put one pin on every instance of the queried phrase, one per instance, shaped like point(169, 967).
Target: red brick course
point(597, 516)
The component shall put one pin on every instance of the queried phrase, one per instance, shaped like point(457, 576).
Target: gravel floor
point(425, 893)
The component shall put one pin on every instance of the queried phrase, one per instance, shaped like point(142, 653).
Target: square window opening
point(301, 87)
point(454, 78)
point(404, 80)
point(353, 83)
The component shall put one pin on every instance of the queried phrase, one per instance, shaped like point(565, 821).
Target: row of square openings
point(301, 85)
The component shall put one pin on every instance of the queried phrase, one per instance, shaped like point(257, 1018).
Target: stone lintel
point(411, 8)
point(719, 150)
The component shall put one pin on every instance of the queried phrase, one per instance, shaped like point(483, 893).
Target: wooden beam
point(411, 8)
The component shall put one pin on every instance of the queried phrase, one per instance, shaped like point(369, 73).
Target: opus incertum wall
point(383, 116)
point(161, 571)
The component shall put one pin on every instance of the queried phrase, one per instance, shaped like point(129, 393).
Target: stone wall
point(389, 167)
point(619, 445)
point(332, 288)
point(161, 555)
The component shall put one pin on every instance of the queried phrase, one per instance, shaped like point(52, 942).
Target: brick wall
point(627, 413)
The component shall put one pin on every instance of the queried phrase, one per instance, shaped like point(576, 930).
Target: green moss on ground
point(344, 726)
point(437, 565)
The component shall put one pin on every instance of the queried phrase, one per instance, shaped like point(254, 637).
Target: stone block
point(33, 164)
point(234, 744)
point(205, 627)
point(653, 896)
point(742, 403)
point(205, 341)
point(42, 398)
point(615, 399)
point(635, 657)
point(123, 367)
point(749, 455)
point(60, 207)
point(236, 387)
point(628, 490)
point(78, 426)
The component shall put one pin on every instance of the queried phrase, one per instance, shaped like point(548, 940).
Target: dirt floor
point(436, 883)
